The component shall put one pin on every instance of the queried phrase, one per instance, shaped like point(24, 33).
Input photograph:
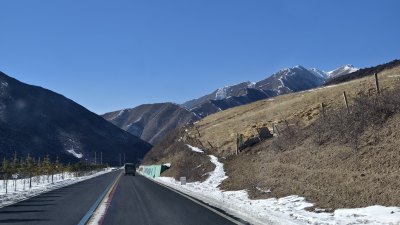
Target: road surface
point(64, 206)
point(140, 201)
point(136, 200)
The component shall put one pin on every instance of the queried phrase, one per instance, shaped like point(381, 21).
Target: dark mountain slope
point(151, 122)
point(38, 121)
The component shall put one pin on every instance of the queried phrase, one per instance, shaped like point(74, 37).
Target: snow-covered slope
point(220, 93)
point(319, 73)
point(290, 80)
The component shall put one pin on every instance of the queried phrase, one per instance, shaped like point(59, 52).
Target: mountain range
point(285, 81)
point(152, 122)
point(39, 122)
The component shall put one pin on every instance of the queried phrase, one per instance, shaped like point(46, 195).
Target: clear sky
point(107, 55)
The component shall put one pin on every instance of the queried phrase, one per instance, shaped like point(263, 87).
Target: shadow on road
point(21, 220)
point(24, 205)
point(22, 211)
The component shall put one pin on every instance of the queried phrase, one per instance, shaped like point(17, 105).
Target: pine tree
point(14, 170)
point(29, 167)
point(5, 170)
point(47, 166)
point(22, 170)
point(38, 170)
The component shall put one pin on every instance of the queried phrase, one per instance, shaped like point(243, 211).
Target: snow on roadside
point(287, 210)
point(22, 193)
point(195, 149)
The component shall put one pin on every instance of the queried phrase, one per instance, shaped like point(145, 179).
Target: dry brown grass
point(332, 175)
point(185, 163)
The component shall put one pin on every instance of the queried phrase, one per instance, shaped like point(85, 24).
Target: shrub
point(366, 111)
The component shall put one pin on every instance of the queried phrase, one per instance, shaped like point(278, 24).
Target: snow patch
point(251, 85)
point(221, 93)
point(119, 114)
point(319, 73)
point(263, 191)
point(195, 149)
point(74, 153)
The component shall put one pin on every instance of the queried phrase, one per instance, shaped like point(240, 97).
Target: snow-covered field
point(19, 190)
point(288, 210)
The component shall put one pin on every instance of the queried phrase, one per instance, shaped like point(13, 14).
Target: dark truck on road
point(130, 169)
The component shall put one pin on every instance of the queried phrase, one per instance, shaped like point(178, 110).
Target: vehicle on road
point(130, 169)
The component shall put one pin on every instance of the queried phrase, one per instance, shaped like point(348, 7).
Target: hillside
point(305, 159)
point(36, 121)
point(151, 122)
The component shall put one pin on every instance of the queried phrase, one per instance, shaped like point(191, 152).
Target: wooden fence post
point(345, 101)
point(237, 143)
point(275, 129)
point(377, 83)
point(210, 145)
point(323, 109)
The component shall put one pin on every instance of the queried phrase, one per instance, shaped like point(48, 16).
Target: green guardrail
point(152, 171)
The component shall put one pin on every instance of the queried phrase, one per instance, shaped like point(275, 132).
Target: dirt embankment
point(184, 162)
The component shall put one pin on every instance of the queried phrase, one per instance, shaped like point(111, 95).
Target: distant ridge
point(151, 122)
point(363, 72)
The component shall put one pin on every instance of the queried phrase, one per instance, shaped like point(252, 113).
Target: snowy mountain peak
point(319, 73)
point(289, 71)
point(232, 90)
point(299, 67)
point(343, 70)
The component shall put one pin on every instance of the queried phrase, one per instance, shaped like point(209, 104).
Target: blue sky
point(107, 55)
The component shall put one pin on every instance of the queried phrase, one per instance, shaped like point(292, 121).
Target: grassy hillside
point(307, 159)
point(304, 107)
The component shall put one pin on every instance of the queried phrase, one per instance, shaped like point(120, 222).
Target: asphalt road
point(136, 200)
point(64, 206)
point(140, 201)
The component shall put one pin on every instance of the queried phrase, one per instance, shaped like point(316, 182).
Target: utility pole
point(101, 158)
point(124, 159)
point(95, 158)
point(119, 159)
